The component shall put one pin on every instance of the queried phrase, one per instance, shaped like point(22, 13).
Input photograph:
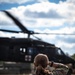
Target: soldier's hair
point(40, 62)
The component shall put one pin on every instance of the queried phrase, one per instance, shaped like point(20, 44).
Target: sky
point(45, 16)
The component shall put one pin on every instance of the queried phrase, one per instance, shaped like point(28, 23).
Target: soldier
point(41, 62)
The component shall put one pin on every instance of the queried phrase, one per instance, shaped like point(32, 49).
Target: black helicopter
point(25, 49)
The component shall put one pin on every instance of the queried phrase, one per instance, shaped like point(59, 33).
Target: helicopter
point(25, 49)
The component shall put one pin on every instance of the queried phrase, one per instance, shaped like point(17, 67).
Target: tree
point(73, 56)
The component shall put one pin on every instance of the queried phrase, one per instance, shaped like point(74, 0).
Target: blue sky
point(53, 16)
point(7, 5)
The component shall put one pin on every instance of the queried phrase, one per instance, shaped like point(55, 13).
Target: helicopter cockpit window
point(59, 52)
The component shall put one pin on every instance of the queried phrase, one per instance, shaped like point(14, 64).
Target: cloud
point(42, 0)
point(70, 39)
point(50, 14)
point(71, 1)
point(4, 20)
point(14, 1)
point(66, 47)
point(65, 37)
point(21, 1)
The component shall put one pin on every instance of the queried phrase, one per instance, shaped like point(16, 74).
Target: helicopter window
point(59, 52)
point(22, 50)
point(30, 50)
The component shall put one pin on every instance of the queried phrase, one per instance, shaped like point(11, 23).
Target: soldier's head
point(41, 59)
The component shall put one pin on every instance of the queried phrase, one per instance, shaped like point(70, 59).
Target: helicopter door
point(28, 56)
point(51, 53)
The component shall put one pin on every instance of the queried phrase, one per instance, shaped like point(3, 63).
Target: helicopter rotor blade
point(24, 29)
point(55, 33)
point(9, 31)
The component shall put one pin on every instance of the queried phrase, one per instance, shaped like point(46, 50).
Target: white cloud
point(66, 47)
point(41, 0)
point(14, 1)
point(4, 19)
point(63, 9)
point(71, 1)
point(21, 1)
point(42, 7)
